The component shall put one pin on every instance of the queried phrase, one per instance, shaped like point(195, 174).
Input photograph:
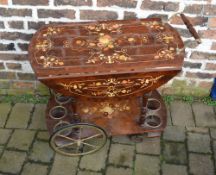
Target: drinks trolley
point(104, 77)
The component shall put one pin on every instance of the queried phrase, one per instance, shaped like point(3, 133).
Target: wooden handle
point(190, 28)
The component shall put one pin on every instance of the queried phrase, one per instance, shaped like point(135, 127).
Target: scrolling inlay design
point(111, 87)
point(104, 49)
point(107, 109)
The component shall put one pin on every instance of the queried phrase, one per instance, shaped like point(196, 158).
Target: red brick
point(6, 47)
point(22, 85)
point(209, 34)
point(26, 76)
point(73, 2)
point(56, 13)
point(212, 22)
point(203, 56)
point(210, 66)
point(16, 24)
point(213, 47)
point(192, 65)
point(2, 25)
point(3, 2)
point(1, 66)
point(120, 3)
point(97, 15)
point(7, 75)
point(23, 46)
point(15, 35)
point(193, 9)
point(184, 32)
point(205, 84)
point(15, 66)
point(161, 16)
point(15, 57)
point(8, 12)
point(35, 25)
point(191, 44)
point(199, 75)
point(151, 5)
point(129, 15)
point(194, 20)
point(210, 10)
point(171, 6)
point(30, 2)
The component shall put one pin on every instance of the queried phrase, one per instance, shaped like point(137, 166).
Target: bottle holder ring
point(58, 112)
point(61, 99)
point(153, 104)
point(152, 121)
point(60, 125)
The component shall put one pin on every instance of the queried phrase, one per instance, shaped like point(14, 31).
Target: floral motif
point(116, 57)
point(156, 25)
point(108, 109)
point(164, 37)
point(52, 31)
point(51, 61)
point(165, 54)
point(112, 87)
point(66, 44)
point(95, 28)
point(43, 45)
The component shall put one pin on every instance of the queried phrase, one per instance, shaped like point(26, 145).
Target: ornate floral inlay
point(116, 57)
point(51, 31)
point(156, 25)
point(164, 37)
point(50, 61)
point(44, 45)
point(107, 109)
point(112, 87)
point(166, 54)
point(111, 27)
point(104, 43)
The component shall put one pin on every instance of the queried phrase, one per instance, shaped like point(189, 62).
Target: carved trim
point(112, 87)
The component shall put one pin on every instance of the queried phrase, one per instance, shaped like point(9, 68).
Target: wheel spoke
point(67, 138)
point(80, 132)
point(93, 146)
point(91, 137)
point(66, 145)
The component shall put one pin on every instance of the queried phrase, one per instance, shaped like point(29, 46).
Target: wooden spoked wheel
point(78, 139)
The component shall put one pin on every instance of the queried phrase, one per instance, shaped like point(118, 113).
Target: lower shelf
point(124, 116)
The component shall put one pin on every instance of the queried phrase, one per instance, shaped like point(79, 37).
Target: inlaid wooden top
point(105, 47)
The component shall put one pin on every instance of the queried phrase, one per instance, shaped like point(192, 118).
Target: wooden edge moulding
point(103, 77)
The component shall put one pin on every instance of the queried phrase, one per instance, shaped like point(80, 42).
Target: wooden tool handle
point(190, 28)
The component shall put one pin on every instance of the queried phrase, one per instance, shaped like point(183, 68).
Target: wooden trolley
point(104, 77)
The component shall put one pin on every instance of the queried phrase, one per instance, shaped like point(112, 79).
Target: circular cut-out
point(153, 104)
point(61, 99)
point(58, 112)
point(153, 121)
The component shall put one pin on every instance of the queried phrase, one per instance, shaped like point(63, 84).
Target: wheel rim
point(84, 139)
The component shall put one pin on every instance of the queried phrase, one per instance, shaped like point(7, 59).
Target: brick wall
point(19, 20)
